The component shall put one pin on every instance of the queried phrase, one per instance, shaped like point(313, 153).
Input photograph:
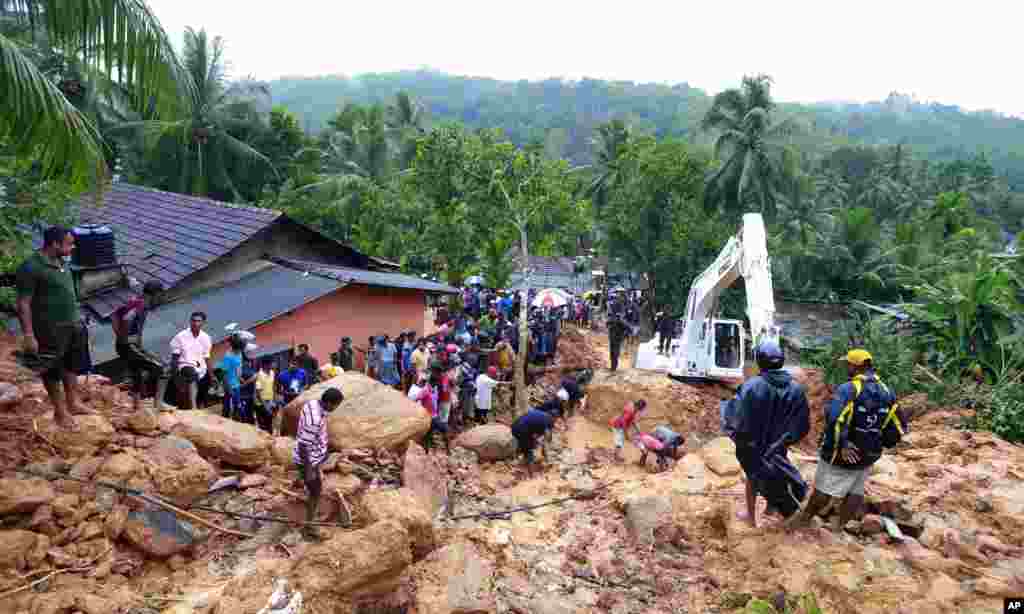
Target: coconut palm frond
point(41, 123)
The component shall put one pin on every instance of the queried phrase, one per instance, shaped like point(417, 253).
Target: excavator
point(711, 348)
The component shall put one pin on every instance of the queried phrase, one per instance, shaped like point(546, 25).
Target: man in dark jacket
point(862, 419)
point(617, 327)
point(666, 327)
point(771, 413)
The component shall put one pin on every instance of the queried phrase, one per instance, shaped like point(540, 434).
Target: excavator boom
point(711, 348)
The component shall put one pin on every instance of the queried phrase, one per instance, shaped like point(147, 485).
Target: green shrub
point(1001, 410)
point(893, 353)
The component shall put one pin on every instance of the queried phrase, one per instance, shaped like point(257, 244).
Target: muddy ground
point(633, 539)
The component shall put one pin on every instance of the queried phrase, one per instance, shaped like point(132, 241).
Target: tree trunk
point(524, 325)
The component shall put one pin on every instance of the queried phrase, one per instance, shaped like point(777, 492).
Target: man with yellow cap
point(862, 419)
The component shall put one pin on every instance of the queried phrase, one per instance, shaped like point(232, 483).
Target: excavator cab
point(728, 347)
point(719, 353)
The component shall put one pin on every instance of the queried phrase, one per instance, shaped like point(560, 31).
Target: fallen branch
point(191, 516)
point(35, 429)
point(344, 504)
point(931, 375)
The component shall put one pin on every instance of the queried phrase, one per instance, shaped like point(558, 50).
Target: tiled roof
point(254, 299)
point(167, 236)
point(540, 281)
point(368, 278)
point(547, 265)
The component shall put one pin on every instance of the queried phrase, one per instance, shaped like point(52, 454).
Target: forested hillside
point(564, 114)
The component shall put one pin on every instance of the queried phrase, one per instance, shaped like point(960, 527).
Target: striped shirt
point(312, 433)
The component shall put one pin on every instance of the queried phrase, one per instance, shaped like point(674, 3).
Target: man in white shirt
point(190, 349)
point(485, 385)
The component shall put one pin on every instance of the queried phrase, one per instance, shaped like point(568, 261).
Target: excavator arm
point(744, 255)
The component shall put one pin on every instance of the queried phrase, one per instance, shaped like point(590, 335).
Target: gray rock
point(159, 533)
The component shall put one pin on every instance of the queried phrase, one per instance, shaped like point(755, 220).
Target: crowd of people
point(454, 373)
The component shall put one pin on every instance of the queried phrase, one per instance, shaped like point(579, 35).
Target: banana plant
point(966, 315)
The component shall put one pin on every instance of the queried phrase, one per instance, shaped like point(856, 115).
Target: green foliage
point(751, 172)
point(653, 219)
point(120, 38)
point(27, 200)
point(894, 354)
point(967, 317)
point(805, 603)
point(203, 148)
point(1000, 409)
point(495, 264)
point(531, 110)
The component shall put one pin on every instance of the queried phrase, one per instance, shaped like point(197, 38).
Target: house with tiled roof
point(551, 272)
point(253, 267)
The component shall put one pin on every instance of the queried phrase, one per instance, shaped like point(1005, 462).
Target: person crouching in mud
point(770, 413)
point(528, 430)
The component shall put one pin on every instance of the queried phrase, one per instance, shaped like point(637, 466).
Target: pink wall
point(354, 311)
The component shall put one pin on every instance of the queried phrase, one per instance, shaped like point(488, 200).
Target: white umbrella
point(551, 297)
point(475, 280)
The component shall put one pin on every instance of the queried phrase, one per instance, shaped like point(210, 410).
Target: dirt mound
point(819, 394)
point(686, 408)
point(575, 348)
point(959, 492)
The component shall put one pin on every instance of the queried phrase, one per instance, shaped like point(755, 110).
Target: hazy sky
point(964, 53)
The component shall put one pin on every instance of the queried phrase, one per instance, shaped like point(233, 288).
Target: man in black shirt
point(309, 364)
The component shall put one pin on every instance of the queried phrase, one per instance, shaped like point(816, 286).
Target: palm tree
point(122, 38)
point(196, 153)
point(611, 141)
point(752, 173)
point(806, 225)
point(405, 123)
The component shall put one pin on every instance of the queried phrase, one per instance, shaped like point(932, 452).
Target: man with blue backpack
point(862, 419)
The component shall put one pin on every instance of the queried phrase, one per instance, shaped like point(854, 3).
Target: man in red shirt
point(424, 392)
point(627, 421)
point(128, 321)
point(439, 377)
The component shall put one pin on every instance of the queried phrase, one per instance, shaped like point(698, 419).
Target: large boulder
point(94, 432)
point(720, 456)
point(352, 563)
point(22, 549)
point(177, 471)
point(454, 579)
point(426, 476)
point(373, 416)
point(24, 496)
point(10, 396)
point(491, 442)
point(158, 533)
point(401, 505)
point(237, 444)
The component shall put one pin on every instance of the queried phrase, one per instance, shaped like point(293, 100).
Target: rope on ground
point(138, 494)
point(586, 495)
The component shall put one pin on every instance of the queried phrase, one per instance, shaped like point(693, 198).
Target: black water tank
point(94, 246)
